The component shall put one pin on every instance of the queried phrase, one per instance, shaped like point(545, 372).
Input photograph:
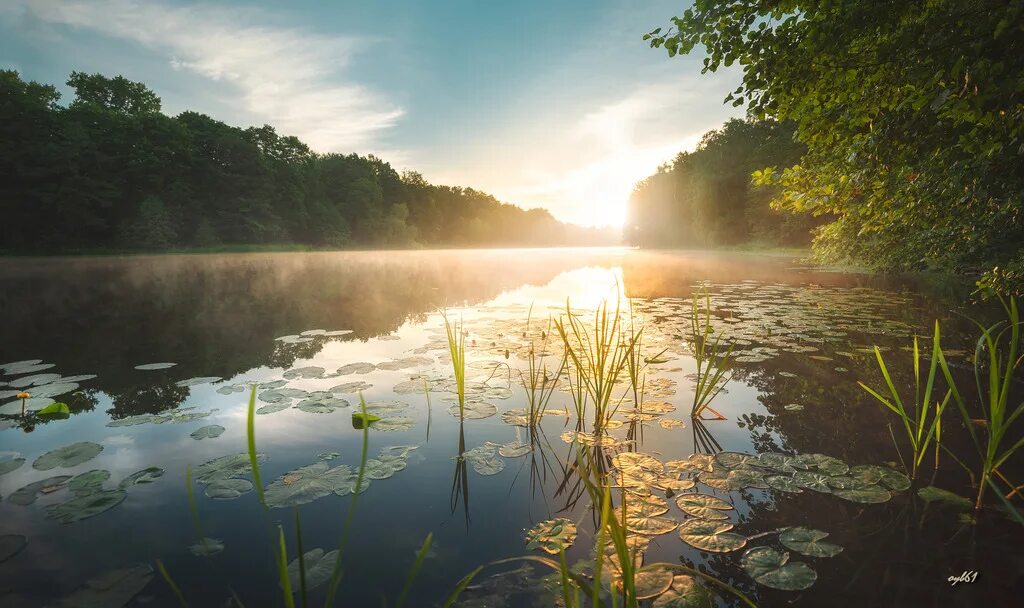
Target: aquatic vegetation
point(712, 536)
point(88, 482)
point(934, 494)
point(9, 464)
point(457, 351)
point(924, 423)
point(86, 506)
point(27, 495)
point(773, 569)
point(67, 456)
point(317, 567)
point(708, 354)
point(808, 542)
point(209, 431)
point(113, 588)
point(228, 489)
point(154, 366)
point(206, 547)
point(552, 536)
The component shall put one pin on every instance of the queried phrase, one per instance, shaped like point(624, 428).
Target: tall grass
point(924, 423)
point(457, 350)
point(711, 362)
point(599, 356)
point(538, 381)
point(997, 357)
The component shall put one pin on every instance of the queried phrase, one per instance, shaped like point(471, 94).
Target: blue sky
point(544, 104)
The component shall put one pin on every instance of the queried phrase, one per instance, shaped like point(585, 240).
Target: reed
point(711, 362)
point(538, 381)
point(599, 358)
point(457, 350)
point(997, 358)
point(924, 423)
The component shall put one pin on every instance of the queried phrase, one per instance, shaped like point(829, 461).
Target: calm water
point(297, 322)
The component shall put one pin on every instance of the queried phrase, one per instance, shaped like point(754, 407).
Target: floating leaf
point(783, 483)
point(138, 419)
point(645, 506)
point(360, 420)
point(11, 545)
point(711, 536)
point(552, 535)
point(112, 589)
point(703, 506)
point(225, 467)
point(395, 423)
point(68, 456)
point(197, 381)
point(514, 449)
point(631, 462)
point(88, 482)
point(809, 542)
point(737, 460)
point(868, 494)
point(12, 464)
point(934, 494)
point(651, 581)
point(894, 480)
point(319, 568)
point(813, 481)
point(867, 474)
point(770, 568)
point(27, 495)
point(84, 507)
point(685, 592)
point(308, 483)
point(310, 372)
point(352, 387)
point(270, 408)
point(56, 410)
point(228, 489)
point(154, 366)
point(206, 547)
point(147, 475)
point(356, 368)
point(209, 431)
point(650, 526)
point(474, 410)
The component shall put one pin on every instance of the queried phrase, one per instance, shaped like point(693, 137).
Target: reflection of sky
point(394, 514)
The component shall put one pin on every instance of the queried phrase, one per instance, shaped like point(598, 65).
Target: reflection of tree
point(147, 400)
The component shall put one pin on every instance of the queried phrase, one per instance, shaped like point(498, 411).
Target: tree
point(912, 113)
point(116, 94)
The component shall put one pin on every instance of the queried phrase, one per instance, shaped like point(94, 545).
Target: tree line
point(110, 170)
point(911, 114)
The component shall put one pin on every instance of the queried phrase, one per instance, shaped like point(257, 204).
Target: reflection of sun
point(586, 289)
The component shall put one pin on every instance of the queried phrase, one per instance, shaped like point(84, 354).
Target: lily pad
point(894, 480)
point(393, 424)
point(770, 568)
point(474, 410)
point(703, 506)
point(360, 420)
point(514, 449)
point(310, 373)
point(27, 495)
point(650, 526)
point(685, 592)
point(209, 431)
point(228, 489)
point(651, 581)
point(12, 464)
point(270, 408)
point(711, 536)
point(630, 462)
point(868, 494)
point(55, 410)
point(197, 381)
point(308, 483)
point(552, 535)
point(819, 482)
point(154, 366)
point(206, 547)
point(112, 589)
point(225, 467)
point(147, 475)
point(935, 494)
point(350, 387)
point(84, 507)
point(809, 542)
point(356, 368)
point(138, 419)
point(68, 456)
point(11, 545)
point(319, 567)
point(783, 483)
point(88, 482)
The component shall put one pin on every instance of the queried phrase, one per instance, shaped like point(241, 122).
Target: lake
point(163, 447)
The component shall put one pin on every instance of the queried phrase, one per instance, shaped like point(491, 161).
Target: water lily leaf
point(356, 368)
point(703, 506)
point(812, 481)
point(516, 417)
point(671, 483)
point(770, 568)
point(68, 456)
point(685, 592)
point(633, 462)
point(743, 478)
point(55, 410)
point(867, 474)
point(652, 580)
point(825, 464)
point(935, 494)
point(138, 419)
point(474, 410)
point(209, 431)
point(350, 387)
point(671, 423)
point(154, 366)
point(328, 455)
point(643, 506)
point(27, 495)
point(197, 381)
point(737, 460)
point(228, 489)
point(113, 589)
point(12, 464)
point(552, 535)
point(314, 407)
point(867, 494)
point(775, 461)
point(783, 483)
point(360, 420)
point(319, 567)
point(306, 484)
point(694, 464)
point(270, 408)
point(84, 507)
point(894, 480)
point(147, 475)
point(514, 449)
point(711, 536)
point(54, 390)
point(225, 467)
point(88, 482)
point(11, 545)
point(809, 542)
point(309, 373)
point(206, 547)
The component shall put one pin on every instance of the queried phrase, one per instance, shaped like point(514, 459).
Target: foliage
point(705, 198)
point(110, 170)
point(912, 114)
point(709, 355)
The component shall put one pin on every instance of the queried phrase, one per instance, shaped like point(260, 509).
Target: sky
point(559, 105)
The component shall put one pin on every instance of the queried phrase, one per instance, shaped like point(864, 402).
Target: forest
point(909, 120)
point(110, 171)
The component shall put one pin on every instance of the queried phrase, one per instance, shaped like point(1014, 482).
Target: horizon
point(560, 108)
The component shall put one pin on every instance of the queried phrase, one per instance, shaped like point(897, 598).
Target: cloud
point(291, 78)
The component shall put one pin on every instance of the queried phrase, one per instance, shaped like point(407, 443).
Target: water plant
point(997, 358)
point(924, 423)
point(599, 358)
point(457, 350)
point(539, 381)
point(708, 354)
